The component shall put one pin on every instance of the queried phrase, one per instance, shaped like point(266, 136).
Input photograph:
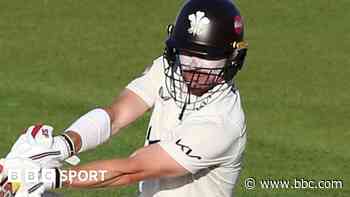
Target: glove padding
point(38, 144)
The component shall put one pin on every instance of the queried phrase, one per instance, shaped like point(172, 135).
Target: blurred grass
point(58, 59)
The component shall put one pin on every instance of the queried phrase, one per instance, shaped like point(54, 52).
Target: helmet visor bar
point(200, 75)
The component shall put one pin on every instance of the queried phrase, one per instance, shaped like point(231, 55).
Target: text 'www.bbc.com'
point(253, 183)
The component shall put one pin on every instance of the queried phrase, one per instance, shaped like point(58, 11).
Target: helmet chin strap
point(187, 99)
point(188, 96)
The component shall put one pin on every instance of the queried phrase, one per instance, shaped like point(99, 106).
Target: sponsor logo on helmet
point(238, 24)
point(199, 23)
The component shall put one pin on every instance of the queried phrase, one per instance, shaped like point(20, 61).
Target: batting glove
point(38, 144)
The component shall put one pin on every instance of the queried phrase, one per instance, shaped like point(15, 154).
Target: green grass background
point(59, 59)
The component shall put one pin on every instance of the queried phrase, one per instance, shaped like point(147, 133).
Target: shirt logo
point(199, 23)
point(187, 150)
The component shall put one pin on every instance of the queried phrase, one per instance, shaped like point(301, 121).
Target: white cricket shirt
point(209, 143)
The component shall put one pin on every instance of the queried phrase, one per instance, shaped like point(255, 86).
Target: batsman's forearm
point(108, 173)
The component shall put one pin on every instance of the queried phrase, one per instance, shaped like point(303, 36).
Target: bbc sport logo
point(49, 175)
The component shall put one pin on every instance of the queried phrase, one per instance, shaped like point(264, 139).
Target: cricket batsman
point(196, 135)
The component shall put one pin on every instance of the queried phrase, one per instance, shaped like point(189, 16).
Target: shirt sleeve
point(146, 86)
point(204, 144)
